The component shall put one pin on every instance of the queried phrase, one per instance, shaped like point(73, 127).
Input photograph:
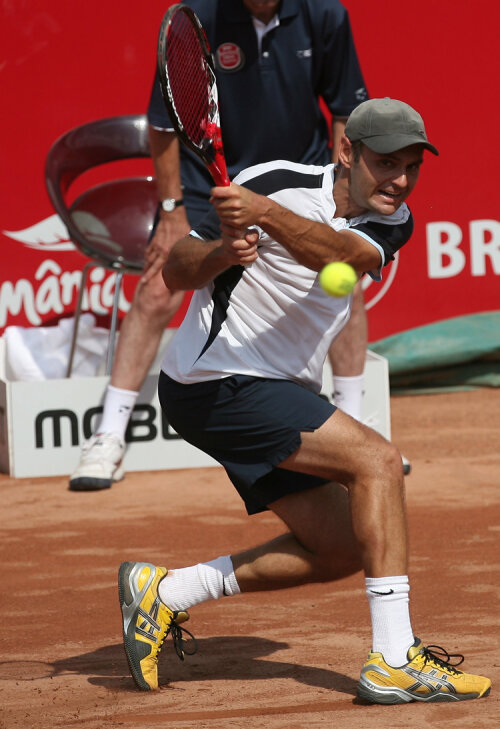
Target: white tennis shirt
point(271, 318)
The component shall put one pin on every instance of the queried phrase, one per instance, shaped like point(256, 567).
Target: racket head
point(189, 89)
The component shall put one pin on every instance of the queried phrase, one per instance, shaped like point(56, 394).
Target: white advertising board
point(43, 424)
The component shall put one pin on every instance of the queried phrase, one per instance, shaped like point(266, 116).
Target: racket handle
point(218, 170)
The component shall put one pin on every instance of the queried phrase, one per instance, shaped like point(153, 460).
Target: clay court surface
point(287, 660)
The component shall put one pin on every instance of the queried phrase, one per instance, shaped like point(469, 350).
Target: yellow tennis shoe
point(147, 621)
point(428, 676)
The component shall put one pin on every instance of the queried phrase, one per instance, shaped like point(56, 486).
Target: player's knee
point(380, 458)
point(393, 463)
point(174, 302)
point(154, 301)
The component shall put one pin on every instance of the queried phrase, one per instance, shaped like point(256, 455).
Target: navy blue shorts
point(249, 425)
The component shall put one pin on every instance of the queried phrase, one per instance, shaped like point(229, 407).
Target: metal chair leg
point(114, 322)
point(78, 312)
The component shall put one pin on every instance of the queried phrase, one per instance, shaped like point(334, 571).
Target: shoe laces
point(93, 448)
point(440, 657)
point(176, 632)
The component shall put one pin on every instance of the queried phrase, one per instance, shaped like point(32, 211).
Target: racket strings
point(190, 90)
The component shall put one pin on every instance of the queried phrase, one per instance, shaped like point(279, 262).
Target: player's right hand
point(237, 206)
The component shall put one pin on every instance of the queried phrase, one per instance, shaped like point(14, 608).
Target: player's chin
point(385, 204)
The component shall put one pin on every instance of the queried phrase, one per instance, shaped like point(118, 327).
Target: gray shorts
point(249, 425)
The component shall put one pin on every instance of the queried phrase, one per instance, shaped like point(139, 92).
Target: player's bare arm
point(193, 262)
point(311, 243)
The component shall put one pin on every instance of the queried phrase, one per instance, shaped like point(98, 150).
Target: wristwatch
point(171, 203)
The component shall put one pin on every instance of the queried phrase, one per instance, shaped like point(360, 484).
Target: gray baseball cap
point(386, 125)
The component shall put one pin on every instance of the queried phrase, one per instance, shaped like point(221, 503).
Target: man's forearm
point(192, 263)
point(312, 244)
point(164, 147)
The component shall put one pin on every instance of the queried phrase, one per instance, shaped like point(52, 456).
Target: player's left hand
point(241, 248)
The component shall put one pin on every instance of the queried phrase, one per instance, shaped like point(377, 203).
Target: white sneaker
point(406, 466)
point(100, 463)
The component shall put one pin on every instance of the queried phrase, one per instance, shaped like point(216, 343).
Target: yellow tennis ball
point(338, 279)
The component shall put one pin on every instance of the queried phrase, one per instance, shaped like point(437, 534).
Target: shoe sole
point(400, 696)
point(90, 484)
point(86, 483)
point(129, 605)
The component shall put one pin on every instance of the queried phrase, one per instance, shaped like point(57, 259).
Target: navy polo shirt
point(269, 102)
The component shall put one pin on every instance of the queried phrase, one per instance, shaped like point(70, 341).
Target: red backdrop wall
point(61, 67)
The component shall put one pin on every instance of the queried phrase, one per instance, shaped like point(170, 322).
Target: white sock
point(390, 613)
point(118, 406)
point(182, 589)
point(348, 394)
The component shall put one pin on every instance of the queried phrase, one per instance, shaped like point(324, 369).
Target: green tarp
point(458, 353)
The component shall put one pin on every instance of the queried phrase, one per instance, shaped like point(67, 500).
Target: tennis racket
point(187, 79)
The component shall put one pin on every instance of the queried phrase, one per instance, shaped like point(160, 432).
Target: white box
point(42, 424)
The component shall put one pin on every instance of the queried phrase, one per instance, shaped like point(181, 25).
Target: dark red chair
point(110, 222)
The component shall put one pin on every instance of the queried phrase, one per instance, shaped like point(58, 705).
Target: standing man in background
point(275, 60)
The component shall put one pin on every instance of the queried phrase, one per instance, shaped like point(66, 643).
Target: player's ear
point(346, 156)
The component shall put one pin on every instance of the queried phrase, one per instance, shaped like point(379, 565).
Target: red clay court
point(286, 660)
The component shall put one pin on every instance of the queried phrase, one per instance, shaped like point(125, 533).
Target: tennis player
point(241, 381)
